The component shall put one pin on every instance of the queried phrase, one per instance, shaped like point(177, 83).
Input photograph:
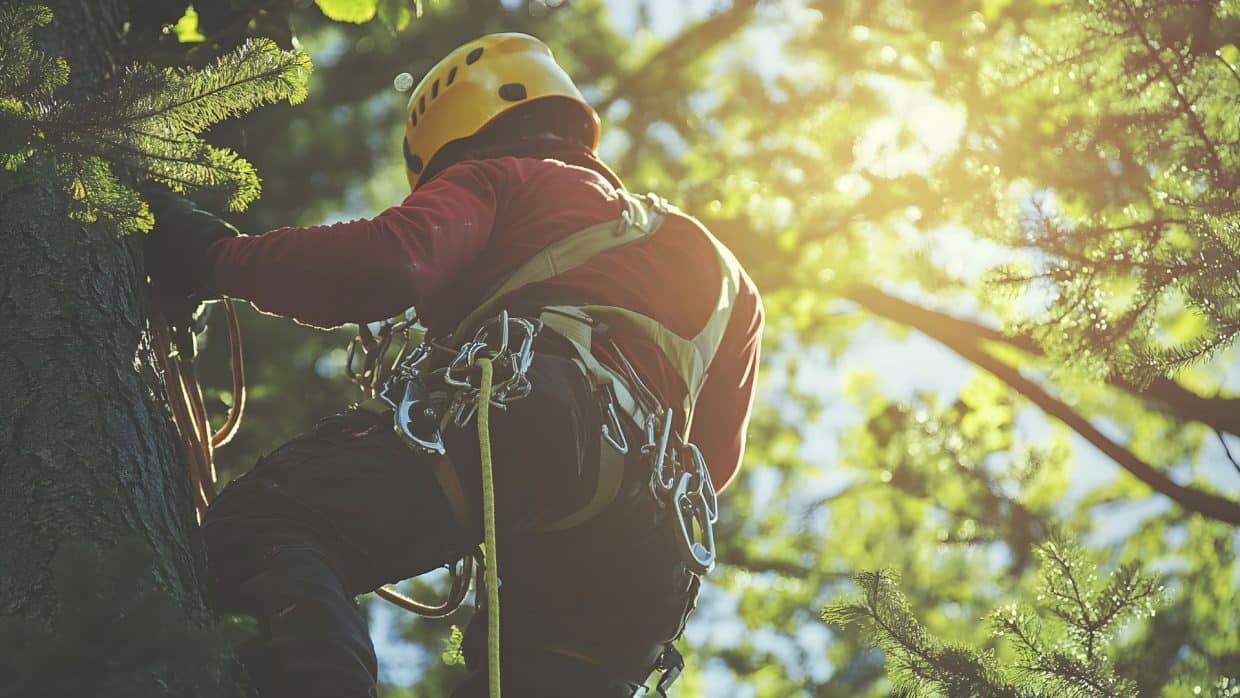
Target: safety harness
point(679, 479)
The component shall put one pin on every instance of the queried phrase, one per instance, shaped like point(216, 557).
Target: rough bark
point(87, 451)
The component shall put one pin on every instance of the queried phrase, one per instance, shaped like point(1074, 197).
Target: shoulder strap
point(635, 223)
point(642, 217)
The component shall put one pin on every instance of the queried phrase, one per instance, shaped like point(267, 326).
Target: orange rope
point(236, 361)
point(189, 412)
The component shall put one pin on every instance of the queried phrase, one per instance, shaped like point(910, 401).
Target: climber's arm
point(366, 269)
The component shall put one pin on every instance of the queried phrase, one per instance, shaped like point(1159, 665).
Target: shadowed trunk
point(87, 451)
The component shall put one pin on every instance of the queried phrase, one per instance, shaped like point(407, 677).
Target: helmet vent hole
point(422, 104)
point(451, 76)
point(512, 92)
point(473, 56)
point(435, 89)
point(413, 119)
point(413, 162)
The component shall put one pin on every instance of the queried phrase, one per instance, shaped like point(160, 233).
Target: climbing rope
point(189, 412)
point(491, 557)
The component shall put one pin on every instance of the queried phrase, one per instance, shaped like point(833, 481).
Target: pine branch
point(1177, 89)
point(148, 124)
point(922, 664)
point(24, 72)
point(1052, 659)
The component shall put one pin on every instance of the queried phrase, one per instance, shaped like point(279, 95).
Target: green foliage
point(453, 654)
point(146, 125)
point(395, 14)
point(1124, 264)
point(186, 28)
point(356, 11)
point(1062, 644)
point(27, 76)
point(116, 633)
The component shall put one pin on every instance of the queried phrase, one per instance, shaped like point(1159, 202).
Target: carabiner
point(415, 421)
point(699, 556)
point(705, 486)
point(662, 473)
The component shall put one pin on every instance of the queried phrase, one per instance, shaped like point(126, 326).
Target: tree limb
point(968, 347)
point(684, 48)
point(1162, 394)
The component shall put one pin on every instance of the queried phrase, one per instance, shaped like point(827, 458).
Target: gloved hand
point(177, 262)
point(176, 248)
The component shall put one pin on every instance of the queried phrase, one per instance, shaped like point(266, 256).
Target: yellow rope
point(488, 526)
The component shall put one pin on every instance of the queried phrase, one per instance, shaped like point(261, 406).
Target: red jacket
point(449, 241)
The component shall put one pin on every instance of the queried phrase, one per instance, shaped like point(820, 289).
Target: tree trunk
point(87, 451)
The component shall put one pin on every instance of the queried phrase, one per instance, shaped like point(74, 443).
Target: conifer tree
point(1059, 646)
point(146, 125)
point(101, 568)
point(1116, 265)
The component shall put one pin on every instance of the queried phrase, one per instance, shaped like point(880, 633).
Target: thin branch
point(1186, 107)
point(1227, 450)
point(687, 46)
point(1162, 394)
point(1196, 500)
point(1230, 68)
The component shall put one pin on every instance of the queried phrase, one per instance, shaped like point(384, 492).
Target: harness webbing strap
point(450, 483)
point(610, 477)
point(689, 356)
point(564, 254)
point(574, 325)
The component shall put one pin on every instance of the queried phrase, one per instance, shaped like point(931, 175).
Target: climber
point(634, 396)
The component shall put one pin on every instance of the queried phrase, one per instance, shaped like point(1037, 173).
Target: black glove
point(176, 260)
point(176, 248)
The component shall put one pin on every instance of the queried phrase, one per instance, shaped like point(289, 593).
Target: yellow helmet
point(477, 83)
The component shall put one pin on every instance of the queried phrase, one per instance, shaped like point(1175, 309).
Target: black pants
point(348, 506)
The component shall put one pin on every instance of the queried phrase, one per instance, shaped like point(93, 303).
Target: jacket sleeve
point(367, 269)
point(721, 413)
